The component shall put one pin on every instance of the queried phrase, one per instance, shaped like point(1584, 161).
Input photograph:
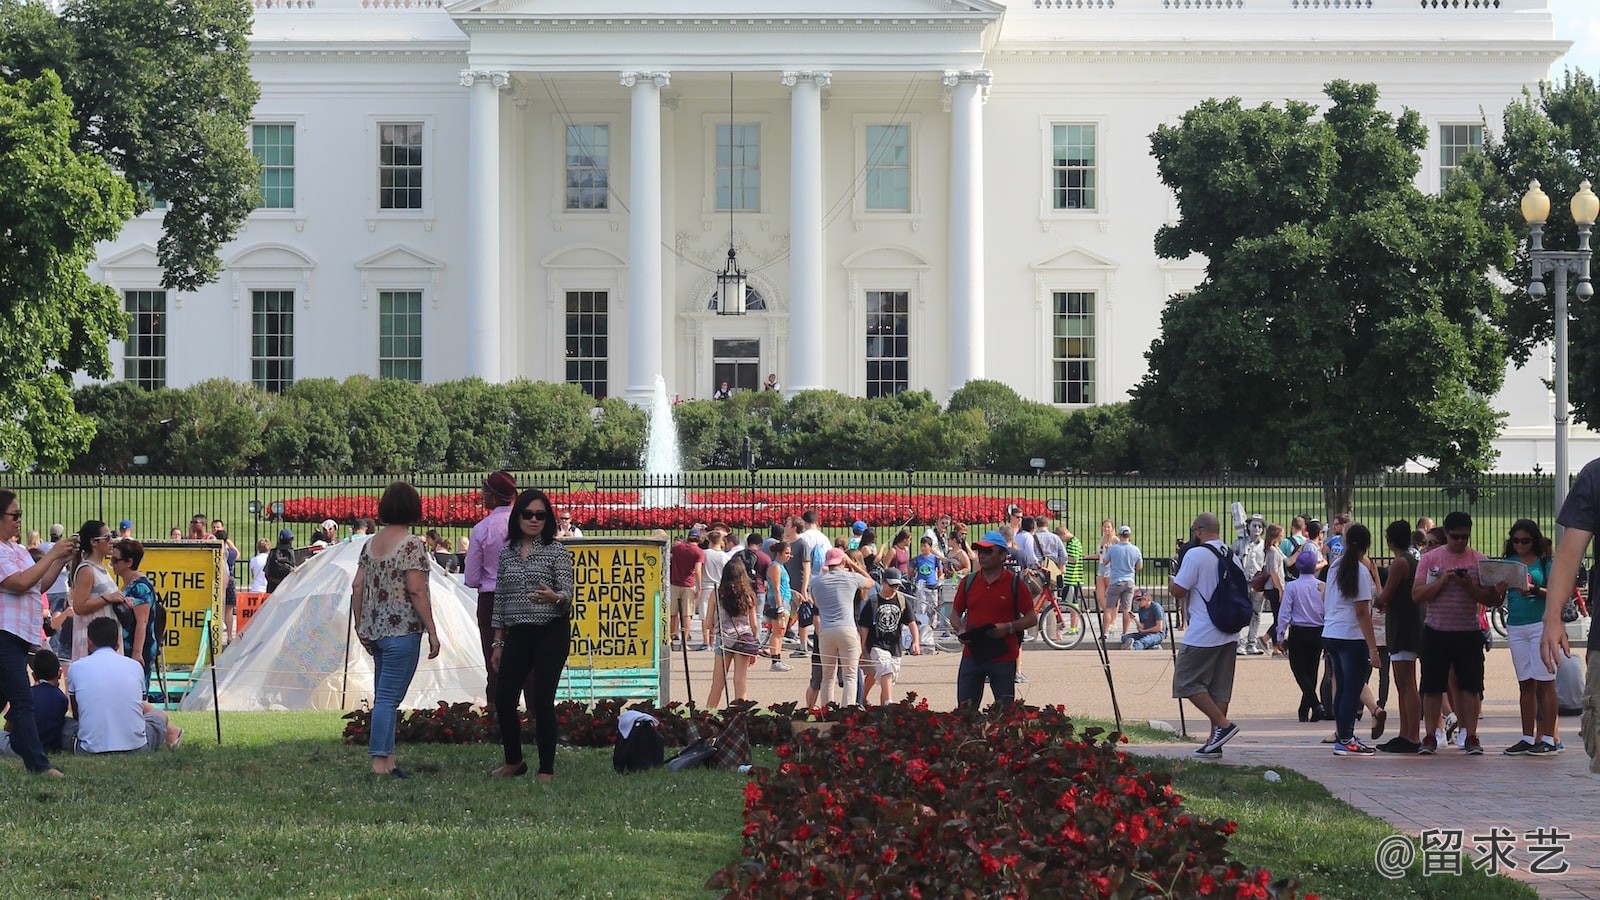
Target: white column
point(806, 295)
point(644, 236)
point(482, 318)
point(968, 90)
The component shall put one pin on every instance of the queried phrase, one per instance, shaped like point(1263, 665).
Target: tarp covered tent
point(294, 655)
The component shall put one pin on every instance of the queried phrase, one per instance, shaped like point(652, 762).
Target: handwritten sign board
point(190, 578)
point(619, 585)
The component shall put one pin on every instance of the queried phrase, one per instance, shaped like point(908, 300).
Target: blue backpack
point(1229, 605)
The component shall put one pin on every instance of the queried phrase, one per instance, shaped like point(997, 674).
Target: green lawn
point(282, 808)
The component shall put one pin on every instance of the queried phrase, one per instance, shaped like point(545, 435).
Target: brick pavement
point(1516, 793)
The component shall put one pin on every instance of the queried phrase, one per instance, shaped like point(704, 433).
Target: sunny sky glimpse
point(1578, 21)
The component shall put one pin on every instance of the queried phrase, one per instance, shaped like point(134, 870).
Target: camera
point(1460, 572)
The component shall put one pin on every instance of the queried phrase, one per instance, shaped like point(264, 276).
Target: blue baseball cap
point(286, 535)
point(859, 526)
point(993, 539)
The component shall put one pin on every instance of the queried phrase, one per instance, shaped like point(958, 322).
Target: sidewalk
point(1518, 794)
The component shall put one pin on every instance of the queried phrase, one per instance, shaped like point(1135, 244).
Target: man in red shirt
point(994, 606)
point(688, 563)
point(1447, 588)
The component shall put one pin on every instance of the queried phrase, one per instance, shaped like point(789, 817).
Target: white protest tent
point(301, 653)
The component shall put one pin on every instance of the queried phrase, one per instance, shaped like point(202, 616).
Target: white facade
point(895, 161)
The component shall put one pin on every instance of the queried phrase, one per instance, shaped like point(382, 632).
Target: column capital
point(661, 79)
point(500, 78)
point(820, 77)
point(952, 78)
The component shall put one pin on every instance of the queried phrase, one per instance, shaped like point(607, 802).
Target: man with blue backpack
point(1216, 596)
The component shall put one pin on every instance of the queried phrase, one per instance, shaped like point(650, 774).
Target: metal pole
point(1560, 378)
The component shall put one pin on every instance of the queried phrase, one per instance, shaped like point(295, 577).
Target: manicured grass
point(1295, 827)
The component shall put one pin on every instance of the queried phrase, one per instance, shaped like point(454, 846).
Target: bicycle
point(1497, 614)
point(1062, 622)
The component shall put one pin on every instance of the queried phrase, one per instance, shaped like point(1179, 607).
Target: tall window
point(588, 166)
point(1072, 349)
point(736, 361)
point(739, 166)
point(587, 350)
point(400, 166)
point(144, 355)
point(888, 168)
point(400, 335)
point(272, 339)
point(888, 347)
point(273, 146)
point(1072, 167)
point(1456, 141)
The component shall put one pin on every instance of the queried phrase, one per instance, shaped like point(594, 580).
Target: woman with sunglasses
point(92, 591)
point(21, 618)
point(126, 557)
point(1525, 604)
point(532, 629)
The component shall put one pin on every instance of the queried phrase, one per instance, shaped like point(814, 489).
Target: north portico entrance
point(644, 87)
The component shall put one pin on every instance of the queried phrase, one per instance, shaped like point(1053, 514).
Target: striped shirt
point(546, 565)
point(1075, 570)
point(21, 614)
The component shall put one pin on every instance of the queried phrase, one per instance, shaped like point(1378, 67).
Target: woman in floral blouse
point(532, 629)
point(389, 600)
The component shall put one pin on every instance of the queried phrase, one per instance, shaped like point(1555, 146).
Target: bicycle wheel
point(1056, 625)
point(1497, 619)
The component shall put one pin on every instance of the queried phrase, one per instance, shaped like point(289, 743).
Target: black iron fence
point(256, 507)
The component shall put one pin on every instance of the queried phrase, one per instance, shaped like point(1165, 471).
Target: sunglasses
point(982, 549)
point(1521, 540)
point(102, 537)
point(15, 516)
point(1460, 536)
point(529, 515)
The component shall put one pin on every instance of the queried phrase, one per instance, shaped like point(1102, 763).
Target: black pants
point(1275, 601)
point(486, 636)
point(539, 652)
point(1304, 646)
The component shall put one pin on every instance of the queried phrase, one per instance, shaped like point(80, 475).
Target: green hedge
point(362, 425)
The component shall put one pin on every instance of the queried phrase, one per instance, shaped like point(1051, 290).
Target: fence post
point(100, 493)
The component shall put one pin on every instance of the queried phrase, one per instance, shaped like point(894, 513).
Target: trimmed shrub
point(219, 429)
point(395, 427)
point(549, 424)
point(478, 416)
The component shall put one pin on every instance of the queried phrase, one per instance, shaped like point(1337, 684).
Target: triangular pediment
point(1075, 258)
point(621, 11)
point(139, 256)
point(399, 257)
point(271, 256)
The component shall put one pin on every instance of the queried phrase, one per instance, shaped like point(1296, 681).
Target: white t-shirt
point(1198, 576)
point(812, 539)
point(258, 572)
point(715, 561)
point(1339, 611)
point(109, 689)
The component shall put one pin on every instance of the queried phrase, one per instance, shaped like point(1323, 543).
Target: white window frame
point(912, 215)
point(1048, 214)
point(294, 336)
point(373, 176)
point(711, 216)
point(617, 169)
point(611, 335)
point(1093, 382)
point(166, 333)
point(1436, 171)
point(581, 267)
point(422, 331)
point(890, 268)
point(866, 379)
point(1074, 269)
point(294, 123)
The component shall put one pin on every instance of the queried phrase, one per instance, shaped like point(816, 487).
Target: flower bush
point(622, 511)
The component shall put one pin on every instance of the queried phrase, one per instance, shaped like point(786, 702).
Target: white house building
point(922, 192)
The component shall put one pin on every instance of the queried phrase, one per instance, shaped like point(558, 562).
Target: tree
point(163, 93)
point(549, 423)
point(395, 427)
point(479, 414)
point(218, 431)
point(1345, 321)
point(1554, 138)
point(54, 321)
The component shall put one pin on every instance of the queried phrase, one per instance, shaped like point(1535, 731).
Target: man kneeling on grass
point(107, 692)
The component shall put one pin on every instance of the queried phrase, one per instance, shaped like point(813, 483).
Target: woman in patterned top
point(532, 629)
point(392, 610)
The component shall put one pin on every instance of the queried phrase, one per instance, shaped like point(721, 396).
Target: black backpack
point(280, 562)
point(642, 749)
point(1229, 605)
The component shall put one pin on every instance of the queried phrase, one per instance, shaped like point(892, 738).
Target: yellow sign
point(190, 578)
point(618, 585)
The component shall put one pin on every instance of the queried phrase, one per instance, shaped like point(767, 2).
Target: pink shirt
point(1452, 609)
point(21, 614)
point(483, 548)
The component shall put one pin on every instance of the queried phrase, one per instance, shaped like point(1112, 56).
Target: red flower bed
point(621, 510)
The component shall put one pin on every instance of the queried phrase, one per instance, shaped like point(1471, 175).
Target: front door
point(736, 361)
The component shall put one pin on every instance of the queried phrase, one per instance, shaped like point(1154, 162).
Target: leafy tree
point(821, 430)
point(549, 423)
point(218, 431)
point(616, 438)
point(162, 92)
point(1344, 323)
point(54, 321)
point(479, 417)
point(128, 422)
point(395, 427)
point(1103, 438)
point(1034, 431)
point(1554, 138)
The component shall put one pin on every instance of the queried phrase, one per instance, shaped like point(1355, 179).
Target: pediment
point(271, 256)
point(1075, 258)
point(139, 256)
point(584, 256)
point(885, 258)
point(399, 257)
point(619, 12)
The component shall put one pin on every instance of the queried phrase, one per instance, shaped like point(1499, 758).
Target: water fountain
point(663, 460)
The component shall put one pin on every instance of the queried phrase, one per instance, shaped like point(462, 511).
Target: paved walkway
point(1513, 793)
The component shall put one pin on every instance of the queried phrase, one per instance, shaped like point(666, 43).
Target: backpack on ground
point(642, 749)
point(1229, 605)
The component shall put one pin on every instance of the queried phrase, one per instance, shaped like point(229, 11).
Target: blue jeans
point(393, 664)
point(1001, 676)
point(1350, 672)
point(1143, 641)
point(14, 689)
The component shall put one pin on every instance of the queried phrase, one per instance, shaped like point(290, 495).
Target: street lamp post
point(1536, 210)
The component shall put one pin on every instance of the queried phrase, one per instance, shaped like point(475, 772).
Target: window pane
point(1455, 142)
point(888, 349)
point(400, 335)
point(144, 353)
point(272, 339)
point(1073, 167)
point(1072, 348)
point(586, 341)
point(888, 168)
point(400, 166)
point(273, 146)
point(738, 166)
point(588, 166)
